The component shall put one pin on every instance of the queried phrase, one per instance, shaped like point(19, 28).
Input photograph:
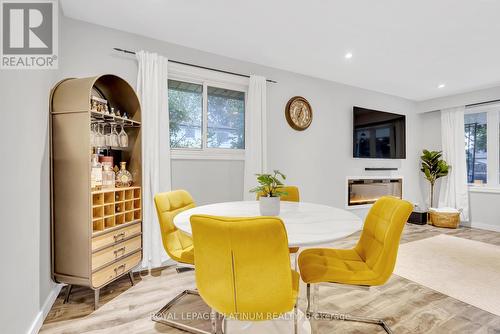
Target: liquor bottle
point(123, 177)
point(108, 177)
point(96, 173)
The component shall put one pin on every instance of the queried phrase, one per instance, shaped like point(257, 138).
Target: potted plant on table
point(269, 191)
point(433, 168)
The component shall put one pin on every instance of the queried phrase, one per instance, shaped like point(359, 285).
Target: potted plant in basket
point(269, 190)
point(433, 168)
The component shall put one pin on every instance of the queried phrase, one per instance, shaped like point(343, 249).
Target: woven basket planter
point(445, 219)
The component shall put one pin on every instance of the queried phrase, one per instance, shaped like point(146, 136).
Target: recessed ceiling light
point(441, 86)
point(348, 55)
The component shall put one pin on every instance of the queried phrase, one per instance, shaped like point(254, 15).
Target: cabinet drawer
point(112, 253)
point(115, 236)
point(107, 274)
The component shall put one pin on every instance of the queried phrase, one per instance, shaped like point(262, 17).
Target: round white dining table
point(307, 224)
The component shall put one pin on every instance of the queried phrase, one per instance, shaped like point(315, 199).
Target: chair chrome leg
point(354, 318)
point(158, 316)
point(295, 316)
point(213, 320)
point(308, 310)
point(183, 269)
point(68, 292)
point(224, 325)
point(341, 316)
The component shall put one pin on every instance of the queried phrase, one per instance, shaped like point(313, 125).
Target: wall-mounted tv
point(378, 134)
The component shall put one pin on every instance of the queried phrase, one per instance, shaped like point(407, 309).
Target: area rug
point(464, 269)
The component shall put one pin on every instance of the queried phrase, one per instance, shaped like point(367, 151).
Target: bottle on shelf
point(96, 173)
point(123, 176)
point(108, 177)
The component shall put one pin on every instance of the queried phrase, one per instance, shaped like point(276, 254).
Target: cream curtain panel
point(255, 135)
point(152, 88)
point(454, 191)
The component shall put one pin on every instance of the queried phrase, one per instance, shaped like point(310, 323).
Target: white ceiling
point(400, 47)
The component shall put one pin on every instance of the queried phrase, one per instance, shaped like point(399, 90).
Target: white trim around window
point(213, 79)
point(484, 189)
point(493, 146)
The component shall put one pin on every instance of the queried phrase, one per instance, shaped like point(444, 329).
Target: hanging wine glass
point(123, 137)
point(92, 135)
point(114, 136)
point(100, 139)
point(108, 135)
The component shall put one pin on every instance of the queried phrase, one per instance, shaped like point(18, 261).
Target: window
point(476, 147)
point(482, 144)
point(226, 118)
point(207, 118)
point(185, 105)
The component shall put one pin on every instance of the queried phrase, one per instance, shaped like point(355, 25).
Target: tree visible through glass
point(225, 116)
point(185, 105)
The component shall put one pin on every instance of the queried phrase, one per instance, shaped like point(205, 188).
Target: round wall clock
point(298, 113)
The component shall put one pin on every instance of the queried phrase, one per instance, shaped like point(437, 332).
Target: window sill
point(484, 189)
point(222, 154)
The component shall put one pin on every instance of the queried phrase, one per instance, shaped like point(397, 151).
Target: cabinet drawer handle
point(119, 236)
point(119, 250)
point(120, 267)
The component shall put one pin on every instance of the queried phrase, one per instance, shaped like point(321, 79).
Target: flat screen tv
point(378, 134)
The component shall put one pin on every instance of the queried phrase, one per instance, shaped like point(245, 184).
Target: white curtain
point(454, 191)
point(152, 88)
point(255, 136)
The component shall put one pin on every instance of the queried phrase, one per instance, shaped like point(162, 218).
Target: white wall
point(25, 216)
point(209, 181)
point(319, 159)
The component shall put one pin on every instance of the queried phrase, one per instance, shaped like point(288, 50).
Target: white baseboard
point(47, 305)
point(482, 226)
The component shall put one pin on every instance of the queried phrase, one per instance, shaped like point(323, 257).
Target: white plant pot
point(269, 206)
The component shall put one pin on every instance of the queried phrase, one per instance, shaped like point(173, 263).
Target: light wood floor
point(407, 306)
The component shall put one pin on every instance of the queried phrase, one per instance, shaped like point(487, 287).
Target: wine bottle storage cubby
point(120, 219)
point(109, 198)
point(120, 207)
point(129, 216)
point(117, 206)
point(97, 212)
point(109, 222)
point(129, 194)
point(129, 205)
point(119, 196)
point(97, 199)
point(98, 224)
point(109, 210)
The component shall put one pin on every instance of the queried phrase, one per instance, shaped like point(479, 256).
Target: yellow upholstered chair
point(369, 263)
point(177, 244)
point(243, 268)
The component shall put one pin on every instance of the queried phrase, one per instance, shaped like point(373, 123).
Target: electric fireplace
point(364, 191)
